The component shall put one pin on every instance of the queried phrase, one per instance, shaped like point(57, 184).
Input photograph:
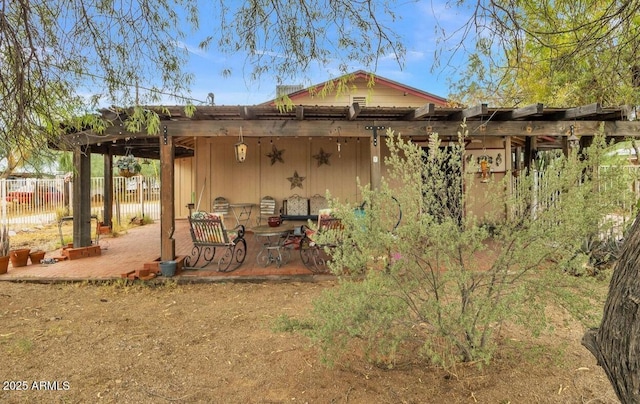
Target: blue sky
point(416, 26)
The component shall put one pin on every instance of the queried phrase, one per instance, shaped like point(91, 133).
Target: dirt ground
point(217, 343)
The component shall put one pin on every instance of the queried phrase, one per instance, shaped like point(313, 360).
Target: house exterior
point(321, 144)
point(318, 160)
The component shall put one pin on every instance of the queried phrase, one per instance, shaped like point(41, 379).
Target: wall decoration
point(492, 159)
point(275, 155)
point(296, 180)
point(322, 157)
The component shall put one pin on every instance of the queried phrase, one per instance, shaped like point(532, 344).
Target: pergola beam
point(324, 128)
point(354, 111)
point(421, 112)
point(247, 113)
point(471, 112)
point(525, 112)
point(582, 112)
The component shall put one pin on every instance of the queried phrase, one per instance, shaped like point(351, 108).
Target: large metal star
point(296, 180)
point(275, 155)
point(322, 157)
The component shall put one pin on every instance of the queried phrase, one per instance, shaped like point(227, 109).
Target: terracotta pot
point(19, 257)
point(36, 257)
point(4, 264)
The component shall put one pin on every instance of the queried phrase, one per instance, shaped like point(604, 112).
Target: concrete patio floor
point(140, 245)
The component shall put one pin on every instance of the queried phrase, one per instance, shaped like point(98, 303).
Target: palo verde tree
point(560, 53)
point(444, 281)
point(127, 53)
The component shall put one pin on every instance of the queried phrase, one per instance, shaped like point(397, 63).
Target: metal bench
point(209, 234)
point(297, 208)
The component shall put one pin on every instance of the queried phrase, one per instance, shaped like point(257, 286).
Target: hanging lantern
point(573, 140)
point(241, 149)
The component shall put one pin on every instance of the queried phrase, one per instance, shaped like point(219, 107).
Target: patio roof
point(355, 112)
point(548, 125)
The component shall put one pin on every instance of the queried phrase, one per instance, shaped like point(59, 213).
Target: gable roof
point(378, 80)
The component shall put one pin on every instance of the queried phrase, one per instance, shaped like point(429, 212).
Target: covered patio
point(139, 246)
point(514, 135)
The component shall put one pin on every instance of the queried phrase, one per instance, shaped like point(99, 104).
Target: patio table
point(242, 212)
point(273, 246)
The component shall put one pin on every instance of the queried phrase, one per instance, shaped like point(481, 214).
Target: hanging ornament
point(322, 157)
point(296, 180)
point(275, 155)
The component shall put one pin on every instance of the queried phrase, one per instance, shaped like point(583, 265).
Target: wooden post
point(508, 165)
point(107, 192)
point(82, 197)
point(531, 145)
point(375, 163)
point(167, 197)
point(508, 154)
point(565, 146)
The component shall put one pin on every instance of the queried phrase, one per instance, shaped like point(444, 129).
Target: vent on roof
point(285, 89)
point(362, 101)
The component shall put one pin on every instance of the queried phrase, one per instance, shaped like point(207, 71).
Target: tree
point(131, 52)
point(616, 343)
point(561, 53)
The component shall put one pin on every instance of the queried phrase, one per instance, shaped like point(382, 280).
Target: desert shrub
point(446, 277)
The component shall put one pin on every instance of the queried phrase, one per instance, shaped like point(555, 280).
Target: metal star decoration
point(296, 180)
point(322, 157)
point(275, 155)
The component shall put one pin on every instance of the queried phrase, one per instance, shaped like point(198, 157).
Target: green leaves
point(560, 53)
point(449, 275)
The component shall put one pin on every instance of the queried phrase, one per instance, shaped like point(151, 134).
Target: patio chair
point(221, 206)
point(316, 204)
point(316, 256)
point(267, 209)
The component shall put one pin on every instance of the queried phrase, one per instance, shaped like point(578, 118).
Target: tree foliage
point(288, 38)
point(132, 52)
point(561, 53)
point(446, 279)
point(51, 50)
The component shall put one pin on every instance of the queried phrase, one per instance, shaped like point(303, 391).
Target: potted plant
point(36, 256)
point(19, 257)
point(4, 250)
point(128, 165)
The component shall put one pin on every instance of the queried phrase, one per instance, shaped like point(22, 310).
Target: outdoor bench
point(209, 236)
point(302, 209)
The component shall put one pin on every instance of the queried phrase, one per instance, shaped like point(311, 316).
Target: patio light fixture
point(240, 149)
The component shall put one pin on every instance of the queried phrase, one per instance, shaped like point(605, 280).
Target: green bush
point(444, 279)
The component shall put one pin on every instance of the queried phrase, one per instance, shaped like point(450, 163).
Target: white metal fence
point(30, 202)
point(542, 198)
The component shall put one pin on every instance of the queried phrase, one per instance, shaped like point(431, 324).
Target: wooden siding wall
point(217, 172)
point(481, 203)
point(184, 188)
point(378, 96)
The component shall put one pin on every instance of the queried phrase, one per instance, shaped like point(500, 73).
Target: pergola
point(531, 128)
